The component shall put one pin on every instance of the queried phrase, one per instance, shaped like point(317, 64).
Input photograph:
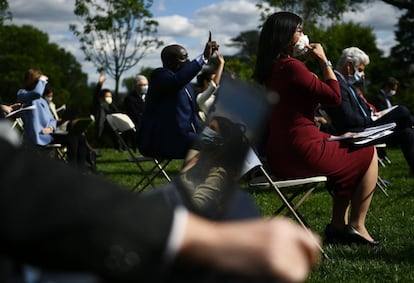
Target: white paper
point(31, 107)
point(366, 133)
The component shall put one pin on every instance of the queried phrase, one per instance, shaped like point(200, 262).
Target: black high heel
point(354, 236)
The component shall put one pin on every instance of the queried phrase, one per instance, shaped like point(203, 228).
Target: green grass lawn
point(390, 220)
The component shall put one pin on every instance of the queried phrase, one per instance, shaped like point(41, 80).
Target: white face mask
point(49, 99)
point(392, 92)
point(144, 89)
point(300, 46)
point(108, 100)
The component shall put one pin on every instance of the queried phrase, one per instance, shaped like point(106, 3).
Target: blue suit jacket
point(169, 123)
point(348, 115)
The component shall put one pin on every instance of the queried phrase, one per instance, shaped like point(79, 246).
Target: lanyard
point(357, 100)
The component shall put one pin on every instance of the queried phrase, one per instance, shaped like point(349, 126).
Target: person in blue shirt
point(40, 124)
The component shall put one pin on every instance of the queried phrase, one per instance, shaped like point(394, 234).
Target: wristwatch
point(327, 64)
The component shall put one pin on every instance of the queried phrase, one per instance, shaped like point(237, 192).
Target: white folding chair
point(121, 123)
point(287, 190)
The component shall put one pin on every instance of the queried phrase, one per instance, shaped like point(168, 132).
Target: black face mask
point(174, 57)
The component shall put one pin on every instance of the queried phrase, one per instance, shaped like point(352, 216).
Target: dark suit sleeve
point(347, 116)
point(163, 79)
point(54, 217)
point(379, 102)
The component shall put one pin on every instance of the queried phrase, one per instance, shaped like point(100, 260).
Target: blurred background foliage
point(26, 47)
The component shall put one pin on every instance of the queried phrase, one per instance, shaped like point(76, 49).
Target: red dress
point(296, 147)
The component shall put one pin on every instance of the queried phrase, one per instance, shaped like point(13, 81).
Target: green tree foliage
point(246, 42)
point(26, 47)
point(241, 64)
point(402, 63)
point(115, 34)
point(240, 68)
point(401, 4)
point(5, 13)
point(312, 11)
point(342, 35)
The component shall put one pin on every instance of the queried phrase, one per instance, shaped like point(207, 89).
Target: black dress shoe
point(334, 235)
point(355, 237)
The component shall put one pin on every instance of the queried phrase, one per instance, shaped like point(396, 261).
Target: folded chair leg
point(382, 186)
point(304, 197)
point(161, 169)
point(292, 210)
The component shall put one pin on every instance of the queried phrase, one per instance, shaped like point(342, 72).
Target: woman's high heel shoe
point(353, 236)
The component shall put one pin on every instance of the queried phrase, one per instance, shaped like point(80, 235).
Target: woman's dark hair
point(275, 39)
point(205, 75)
point(230, 151)
point(390, 82)
point(103, 91)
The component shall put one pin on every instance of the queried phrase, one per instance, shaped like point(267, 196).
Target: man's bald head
point(174, 57)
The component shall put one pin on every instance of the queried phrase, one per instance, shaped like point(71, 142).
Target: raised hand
point(211, 46)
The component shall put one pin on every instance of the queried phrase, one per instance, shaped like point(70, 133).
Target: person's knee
point(404, 117)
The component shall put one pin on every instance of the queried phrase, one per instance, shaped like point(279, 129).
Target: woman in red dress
point(295, 146)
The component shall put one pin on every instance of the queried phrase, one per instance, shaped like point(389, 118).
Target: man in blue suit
point(169, 123)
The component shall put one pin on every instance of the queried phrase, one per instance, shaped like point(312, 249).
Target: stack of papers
point(368, 135)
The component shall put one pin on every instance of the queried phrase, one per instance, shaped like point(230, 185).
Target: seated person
point(383, 99)
point(103, 105)
point(39, 123)
point(355, 112)
point(169, 124)
point(295, 146)
point(134, 104)
point(210, 174)
point(72, 125)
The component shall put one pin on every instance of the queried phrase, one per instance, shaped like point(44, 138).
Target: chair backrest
point(252, 161)
point(120, 122)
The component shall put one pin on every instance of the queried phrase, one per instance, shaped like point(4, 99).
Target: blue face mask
point(357, 77)
point(210, 137)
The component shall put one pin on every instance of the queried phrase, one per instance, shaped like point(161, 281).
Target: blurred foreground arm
point(73, 222)
point(277, 248)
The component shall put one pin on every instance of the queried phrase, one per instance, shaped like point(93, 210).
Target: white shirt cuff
point(200, 59)
point(177, 233)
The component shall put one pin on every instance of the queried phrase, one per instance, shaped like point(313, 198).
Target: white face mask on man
point(392, 92)
point(144, 89)
point(300, 46)
point(108, 99)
